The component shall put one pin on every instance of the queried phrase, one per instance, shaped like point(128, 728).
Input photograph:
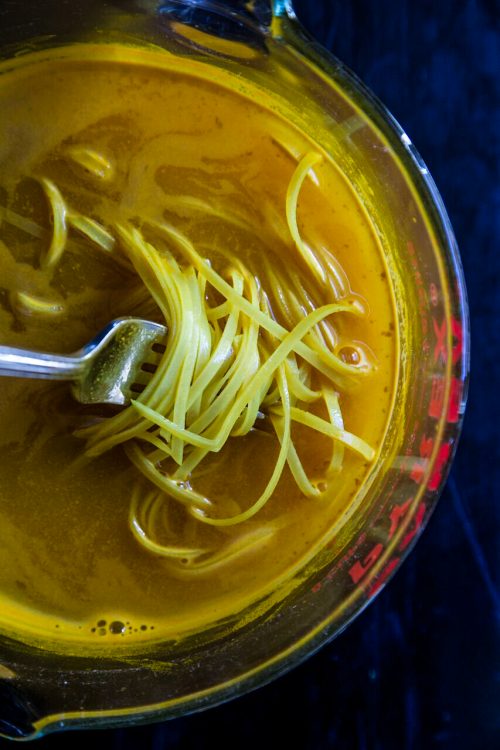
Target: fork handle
point(23, 363)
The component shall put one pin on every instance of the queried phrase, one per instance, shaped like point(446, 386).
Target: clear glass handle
point(260, 11)
point(259, 8)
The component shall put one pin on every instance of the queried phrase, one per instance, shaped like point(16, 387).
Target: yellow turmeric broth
point(133, 183)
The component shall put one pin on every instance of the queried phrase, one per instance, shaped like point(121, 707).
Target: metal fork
point(111, 369)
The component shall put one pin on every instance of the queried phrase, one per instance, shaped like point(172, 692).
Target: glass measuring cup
point(269, 48)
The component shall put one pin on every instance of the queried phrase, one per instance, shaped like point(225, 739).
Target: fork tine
point(122, 358)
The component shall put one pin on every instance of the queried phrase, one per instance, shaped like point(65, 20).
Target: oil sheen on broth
point(109, 153)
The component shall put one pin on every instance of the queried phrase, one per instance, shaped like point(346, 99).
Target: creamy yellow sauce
point(126, 133)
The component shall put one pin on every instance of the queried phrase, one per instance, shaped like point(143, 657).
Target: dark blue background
point(420, 669)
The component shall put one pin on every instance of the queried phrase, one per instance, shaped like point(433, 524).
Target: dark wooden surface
point(420, 669)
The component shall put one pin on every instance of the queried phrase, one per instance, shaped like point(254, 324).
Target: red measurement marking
point(384, 575)
point(442, 458)
point(360, 568)
point(418, 472)
point(440, 348)
point(341, 563)
point(437, 397)
point(433, 294)
point(416, 526)
point(425, 451)
point(411, 534)
point(456, 390)
point(397, 514)
point(440, 351)
point(457, 332)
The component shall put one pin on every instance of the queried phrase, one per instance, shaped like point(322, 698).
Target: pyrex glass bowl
point(43, 690)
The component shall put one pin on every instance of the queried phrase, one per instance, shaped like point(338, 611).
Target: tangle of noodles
point(228, 365)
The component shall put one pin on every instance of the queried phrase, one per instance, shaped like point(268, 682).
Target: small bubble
point(101, 624)
point(117, 628)
point(92, 630)
point(349, 355)
point(102, 631)
point(144, 627)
